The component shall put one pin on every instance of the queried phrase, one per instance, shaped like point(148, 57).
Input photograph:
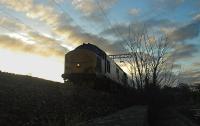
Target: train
point(91, 65)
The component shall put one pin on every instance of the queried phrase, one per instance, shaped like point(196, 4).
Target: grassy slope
point(32, 101)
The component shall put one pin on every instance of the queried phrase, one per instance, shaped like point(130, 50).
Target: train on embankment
point(89, 65)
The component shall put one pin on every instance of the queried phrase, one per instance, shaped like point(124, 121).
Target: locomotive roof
point(92, 48)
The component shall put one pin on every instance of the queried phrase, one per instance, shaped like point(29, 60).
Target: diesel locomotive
point(88, 63)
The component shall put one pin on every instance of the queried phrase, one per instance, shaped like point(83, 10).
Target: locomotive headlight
point(78, 65)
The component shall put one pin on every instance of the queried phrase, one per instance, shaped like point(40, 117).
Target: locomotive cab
point(79, 64)
point(84, 62)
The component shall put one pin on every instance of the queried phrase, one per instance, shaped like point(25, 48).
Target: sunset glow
point(33, 65)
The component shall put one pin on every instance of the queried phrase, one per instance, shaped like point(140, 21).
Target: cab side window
point(98, 66)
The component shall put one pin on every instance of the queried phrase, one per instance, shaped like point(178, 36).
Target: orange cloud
point(19, 45)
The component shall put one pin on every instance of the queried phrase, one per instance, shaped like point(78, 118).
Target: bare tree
point(149, 58)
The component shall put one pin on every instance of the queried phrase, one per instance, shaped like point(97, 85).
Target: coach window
point(108, 66)
point(117, 71)
point(125, 78)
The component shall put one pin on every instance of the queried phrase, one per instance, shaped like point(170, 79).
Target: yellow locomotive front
point(79, 64)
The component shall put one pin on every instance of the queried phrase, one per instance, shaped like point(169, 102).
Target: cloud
point(37, 11)
point(183, 51)
point(166, 4)
point(180, 33)
point(120, 30)
point(44, 40)
point(186, 32)
point(134, 11)
point(159, 23)
point(190, 76)
point(18, 5)
point(76, 36)
point(197, 17)
point(62, 24)
point(21, 46)
point(117, 30)
point(125, 31)
point(43, 13)
point(88, 7)
point(196, 64)
point(48, 42)
point(91, 9)
point(117, 47)
point(11, 25)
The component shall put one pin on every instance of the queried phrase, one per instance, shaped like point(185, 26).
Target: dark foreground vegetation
point(29, 101)
point(172, 103)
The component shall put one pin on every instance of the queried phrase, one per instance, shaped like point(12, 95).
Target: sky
point(36, 34)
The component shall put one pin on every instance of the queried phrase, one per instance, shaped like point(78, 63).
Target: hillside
point(30, 101)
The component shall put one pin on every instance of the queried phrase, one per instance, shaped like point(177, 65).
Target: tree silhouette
point(150, 60)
